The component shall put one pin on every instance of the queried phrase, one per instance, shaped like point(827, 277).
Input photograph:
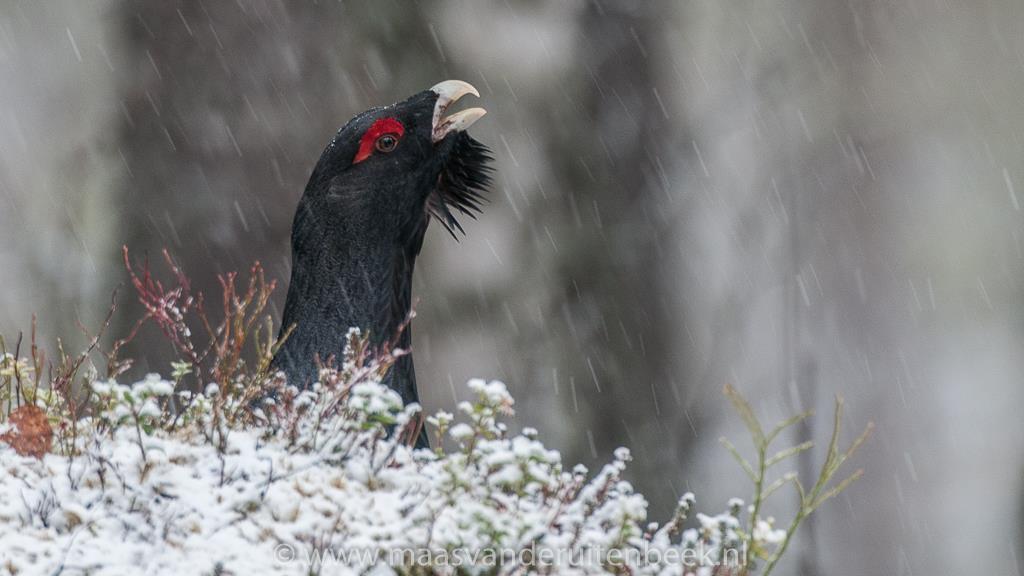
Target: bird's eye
point(382, 136)
point(387, 142)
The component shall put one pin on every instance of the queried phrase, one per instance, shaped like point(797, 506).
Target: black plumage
point(465, 178)
point(360, 225)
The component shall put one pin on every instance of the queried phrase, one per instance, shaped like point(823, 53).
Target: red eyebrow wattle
point(376, 130)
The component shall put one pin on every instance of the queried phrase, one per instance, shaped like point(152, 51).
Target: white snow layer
point(337, 497)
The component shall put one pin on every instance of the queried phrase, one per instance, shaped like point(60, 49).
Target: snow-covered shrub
point(247, 475)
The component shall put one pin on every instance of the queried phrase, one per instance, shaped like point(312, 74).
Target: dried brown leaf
point(31, 434)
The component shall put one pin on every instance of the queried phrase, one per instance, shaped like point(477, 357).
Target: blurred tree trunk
point(851, 169)
point(59, 169)
point(614, 309)
point(227, 107)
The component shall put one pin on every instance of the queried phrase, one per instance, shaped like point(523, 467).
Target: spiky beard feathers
point(462, 183)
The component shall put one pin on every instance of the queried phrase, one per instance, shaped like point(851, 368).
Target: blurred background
point(801, 198)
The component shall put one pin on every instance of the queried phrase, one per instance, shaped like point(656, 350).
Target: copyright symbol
point(284, 552)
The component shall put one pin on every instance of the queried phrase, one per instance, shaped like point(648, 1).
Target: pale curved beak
point(448, 92)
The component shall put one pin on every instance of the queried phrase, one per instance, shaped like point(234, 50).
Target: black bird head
point(361, 221)
point(389, 167)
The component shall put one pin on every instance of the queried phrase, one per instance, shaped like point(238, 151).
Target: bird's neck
point(339, 285)
point(356, 286)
